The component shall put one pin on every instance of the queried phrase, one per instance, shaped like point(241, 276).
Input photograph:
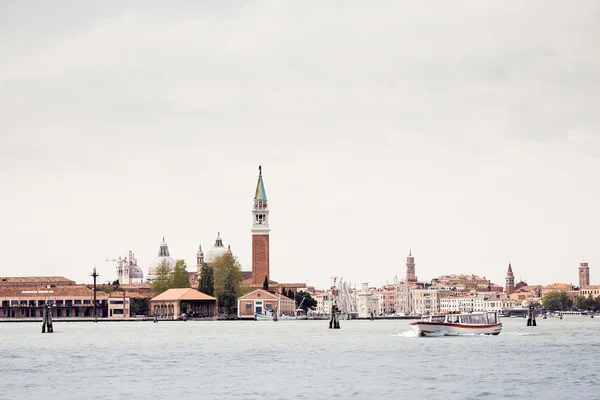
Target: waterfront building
point(119, 305)
point(25, 297)
point(261, 301)
point(366, 304)
point(510, 281)
point(463, 283)
point(323, 302)
point(128, 272)
point(556, 287)
point(386, 301)
point(426, 301)
point(163, 258)
point(593, 290)
point(527, 293)
point(173, 302)
point(584, 274)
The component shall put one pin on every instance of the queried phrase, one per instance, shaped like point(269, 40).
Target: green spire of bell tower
point(260, 193)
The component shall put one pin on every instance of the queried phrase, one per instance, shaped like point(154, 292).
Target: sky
point(467, 132)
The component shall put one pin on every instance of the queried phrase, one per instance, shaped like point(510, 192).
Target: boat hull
point(424, 328)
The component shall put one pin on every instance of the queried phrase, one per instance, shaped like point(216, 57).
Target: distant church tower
point(260, 233)
point(199, 260)
point(510, 281)
point(584, 274)
point(410, 268)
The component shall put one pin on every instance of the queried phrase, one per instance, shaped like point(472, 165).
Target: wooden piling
point(334, 322)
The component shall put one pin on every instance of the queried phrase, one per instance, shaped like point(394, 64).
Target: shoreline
point(150, 319)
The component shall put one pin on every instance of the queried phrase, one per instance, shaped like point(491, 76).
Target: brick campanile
point(260, 233)
point(510, 281)
point(410, 268)
point(584, 274)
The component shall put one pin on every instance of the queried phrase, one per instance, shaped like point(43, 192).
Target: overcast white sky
point(467, 131)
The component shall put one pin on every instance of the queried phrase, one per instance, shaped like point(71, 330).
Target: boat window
point(453, 318)
point(437, 319)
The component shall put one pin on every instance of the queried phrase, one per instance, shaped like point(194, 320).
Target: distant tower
point(410, 268)
point(510, 281)
point(199, 259)
point(260, 233)
point(584, 274)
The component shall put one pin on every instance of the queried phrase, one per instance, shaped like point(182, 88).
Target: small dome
point(136, 272)
point(217, 250)
point(163, 256)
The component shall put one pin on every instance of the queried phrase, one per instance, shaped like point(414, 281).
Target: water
point(296, 360)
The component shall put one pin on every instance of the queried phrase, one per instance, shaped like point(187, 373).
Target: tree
point(305, 301)
point(283, 292)
point(180, 275)
point(587, 303)
point(137, 305)
point(227, 281)
point(557, 301)
point(290, 294)
point(163, 281)
point(207, 280)
point(266, 283)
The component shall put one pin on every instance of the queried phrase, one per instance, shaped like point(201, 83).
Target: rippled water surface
point(296, 360)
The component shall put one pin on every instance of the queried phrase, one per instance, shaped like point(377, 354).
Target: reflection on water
point(294, 360)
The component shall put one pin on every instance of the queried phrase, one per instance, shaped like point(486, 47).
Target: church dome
point(136, 272)
point(163, 256)
point(217, 250)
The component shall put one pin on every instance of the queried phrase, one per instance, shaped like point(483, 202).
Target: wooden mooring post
point(334, 322)
point(47, 320)
point(531, 316)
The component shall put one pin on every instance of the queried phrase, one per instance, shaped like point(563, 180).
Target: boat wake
point(408, 334)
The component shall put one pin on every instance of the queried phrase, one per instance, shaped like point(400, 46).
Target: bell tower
point(510, 281)
point(260, 233)
point(410, 268)
point(199, 259)
point(584, 274)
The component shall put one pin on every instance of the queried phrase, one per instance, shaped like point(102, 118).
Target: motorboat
point(300, 314)
point(473, 323)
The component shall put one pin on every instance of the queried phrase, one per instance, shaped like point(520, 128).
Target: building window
point(118, 311)
point(268, 306)
point(87, 302)
point(77, 301)
point(116, 302)
point(248, 307)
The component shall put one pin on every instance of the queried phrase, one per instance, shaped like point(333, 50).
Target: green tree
point(137, 305)
point(180, 275)
point(163, 281)
point(587, 303)
point(207, 280)
point(305, 301)
point(227, 281)
point(266, 283)
point(283, 291)
point(557, 301)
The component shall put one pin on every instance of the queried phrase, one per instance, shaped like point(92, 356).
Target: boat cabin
point(480, 318)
